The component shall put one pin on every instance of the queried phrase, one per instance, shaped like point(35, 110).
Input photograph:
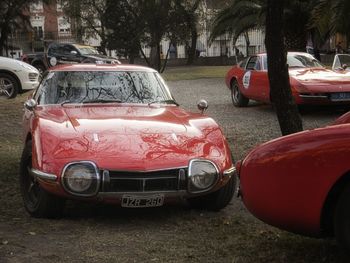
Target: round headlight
point(81, 178)
point(202, 174)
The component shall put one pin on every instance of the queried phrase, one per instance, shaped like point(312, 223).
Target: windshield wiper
point(65, 101)
point(102, 101)
point(164, 102)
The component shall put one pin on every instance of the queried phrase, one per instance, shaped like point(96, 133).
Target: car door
point(70, 54)
point(255, 79)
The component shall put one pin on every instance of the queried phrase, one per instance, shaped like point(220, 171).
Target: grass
point(195, 72)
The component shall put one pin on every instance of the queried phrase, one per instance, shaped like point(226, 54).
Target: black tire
point(238, 99)
point(217, 200)
point(342, 220)
point(9, 86)
point(37, 201)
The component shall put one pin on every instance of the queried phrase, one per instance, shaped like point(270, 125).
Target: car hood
point(321, 79)
point(128, 137)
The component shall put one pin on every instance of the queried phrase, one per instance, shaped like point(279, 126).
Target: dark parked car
point(63, 53)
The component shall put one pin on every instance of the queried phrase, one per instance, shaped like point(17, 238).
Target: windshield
point(302, 61)
point(299, 60)
point(99, 86)
point(88, 51)
point(340, 60)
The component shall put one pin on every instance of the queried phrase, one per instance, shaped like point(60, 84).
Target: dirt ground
point(174, 233)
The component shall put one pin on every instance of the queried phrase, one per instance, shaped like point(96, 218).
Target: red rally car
point(113, 133)
point(301, 182)
point(310, 81)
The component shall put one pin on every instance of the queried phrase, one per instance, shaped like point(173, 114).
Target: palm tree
point(330, 17)
point(242, 15)
point(238, 18)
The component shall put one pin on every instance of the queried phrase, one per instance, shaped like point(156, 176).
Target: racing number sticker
point(246, 79)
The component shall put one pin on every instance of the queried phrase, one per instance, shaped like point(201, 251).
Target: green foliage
point(330, 17)
point(13, 15)
point(243, 15)
point(239, 17)
point(148, 22)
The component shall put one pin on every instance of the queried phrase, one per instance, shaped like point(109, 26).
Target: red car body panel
point(304, 81)
point(285, 182)
point(121, 136)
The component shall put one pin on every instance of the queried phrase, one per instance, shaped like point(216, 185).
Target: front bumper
point(172, 183)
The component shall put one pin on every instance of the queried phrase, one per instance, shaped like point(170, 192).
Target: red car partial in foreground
point(310, 81)
point(301, 182)
point(113, 133)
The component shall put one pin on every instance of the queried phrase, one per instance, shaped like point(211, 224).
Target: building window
point(38, 23)
point(63, 26)
point(39, 32)
point(36, 7)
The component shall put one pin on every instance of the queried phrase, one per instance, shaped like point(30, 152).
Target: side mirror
point(202, 105)
point(30, 104)
point(344, 66)
point(73, 52)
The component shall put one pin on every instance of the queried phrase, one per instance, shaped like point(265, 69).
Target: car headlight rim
point(194, 189)
point(95, 179)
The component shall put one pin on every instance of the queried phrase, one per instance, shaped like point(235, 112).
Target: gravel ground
point(176, 233)
point(243, 127)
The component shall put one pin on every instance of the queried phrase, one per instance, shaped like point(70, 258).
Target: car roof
point(100, 67)
point(289, 53)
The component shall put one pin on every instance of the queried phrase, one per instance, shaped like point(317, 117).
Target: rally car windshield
point(299, 61)
point(63, 87)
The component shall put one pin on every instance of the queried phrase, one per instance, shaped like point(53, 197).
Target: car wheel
point(9, 86)
point(37, 201)
point(217, 200)
point(238, 99)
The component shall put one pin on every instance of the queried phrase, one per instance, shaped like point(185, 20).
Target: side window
point(257, 64)
point(243, 63)
point(52, 50)
point(252, 63)
point(60, 49)
point(39, 90)
point(68, 49)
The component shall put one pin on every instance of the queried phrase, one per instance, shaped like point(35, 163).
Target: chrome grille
point(157, 181)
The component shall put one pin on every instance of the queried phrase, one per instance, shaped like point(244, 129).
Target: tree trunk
point(247, 41)
point(192, 48)
point(155, 57)
point(3, 38)
point(280, 92)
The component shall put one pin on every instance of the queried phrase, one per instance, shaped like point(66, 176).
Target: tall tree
point(238, 18)
point(89, 18)
point(330, 17)
point(188, 9)
point(280, 91)
point(146, 21)
point(14, 14)
point(127, 29)
point(243, 15)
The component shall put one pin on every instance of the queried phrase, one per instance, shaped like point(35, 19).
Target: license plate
point(142, 201)
point(340, 96)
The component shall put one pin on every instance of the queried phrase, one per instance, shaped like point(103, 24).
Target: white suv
point(16, 76)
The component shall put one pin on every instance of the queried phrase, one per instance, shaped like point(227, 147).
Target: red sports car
point(301, 182)
point(113, 133)
point(310, 81)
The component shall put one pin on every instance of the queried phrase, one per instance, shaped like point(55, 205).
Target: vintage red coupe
point(310, 81)
point(113, 133)
point(301, 182)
